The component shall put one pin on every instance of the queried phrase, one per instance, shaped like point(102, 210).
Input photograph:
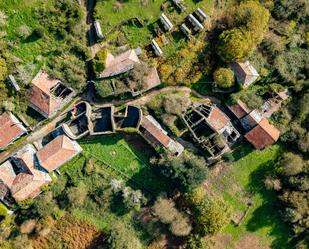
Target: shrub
point(39, 32)
point(104, 88)
point(123, 237)
point(99, 61)
point(176, 104)
point(291, 164)
point(23, 31)
point(224, 77)
point(3, 69)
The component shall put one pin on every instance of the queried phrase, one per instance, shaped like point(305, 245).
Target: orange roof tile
point(57, 152)
point(155, 132)
point(217, 119)
point(10, 129)
point(28, 183)
point(152, 79)
point(263, 135)
point(240, 109)
point(41, 97)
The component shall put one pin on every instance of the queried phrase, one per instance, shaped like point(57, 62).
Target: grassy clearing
point(243, 180)
point(117, 152)
point(112, 13)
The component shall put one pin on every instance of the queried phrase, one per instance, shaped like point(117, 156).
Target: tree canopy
point(224, 77)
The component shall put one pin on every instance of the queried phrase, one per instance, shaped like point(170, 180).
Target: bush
point(224, 77)
point(291, 164)
point(180, 225)
point(99, 61)
point(104, 88)
point(123, 237)
point(165, 210)
point(3, 69)
point(39, 32)
point(176, 104)
point(23, 31)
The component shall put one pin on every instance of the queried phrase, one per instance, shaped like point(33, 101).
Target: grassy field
point(242, 182)
point(118, 153)
point(111, 13)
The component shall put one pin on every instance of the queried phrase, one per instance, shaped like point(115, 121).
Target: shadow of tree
point(268, 214)
point(117, 205)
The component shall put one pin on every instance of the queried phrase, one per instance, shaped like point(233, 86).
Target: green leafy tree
point(186, 171)
point(235, 45)
point(224, 77)
point(210, 216)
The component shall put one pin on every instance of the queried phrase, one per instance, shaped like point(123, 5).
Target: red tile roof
point(28, 183)
point(155, 132)
point(263, 135)
point(217, 119)
point(41, 98)
point(240, 109)
point(57, 152)
point(152, 79)
point(119, 64)
point(10, 129)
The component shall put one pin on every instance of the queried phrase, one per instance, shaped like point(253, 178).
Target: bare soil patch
point(250, 242)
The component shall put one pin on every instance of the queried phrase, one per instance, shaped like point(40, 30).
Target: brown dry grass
point(250, 242)
point(70, 233)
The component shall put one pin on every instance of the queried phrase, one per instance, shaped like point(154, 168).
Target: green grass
point(119, 154)
point(246, 176)
point(148, 15)
point(3, 209)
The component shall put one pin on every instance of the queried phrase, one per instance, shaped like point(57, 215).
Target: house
point(57, 152)
point(262, 135)
point(156, 48)
point(22, 176)
point(119, 64)
point(259, 132)
point(201, 15)
point(150, 81)
point(98, 30)
point(245, 73)
point(210, 128)
point(48, 95)
point(154, 134)
point(166, 22)
point(195, 23)
point(10, 129)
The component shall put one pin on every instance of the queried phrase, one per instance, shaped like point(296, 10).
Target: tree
point(186, 171)
point(45, 205)
point(196, 241)
point(252, 16)
point(291, 164)
point(235, 45)
point(224, 77)
point(123, 237)
point(210, 216)
point(3, 69)
point(296, 9)
point(165, 210)
point(180, 226)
